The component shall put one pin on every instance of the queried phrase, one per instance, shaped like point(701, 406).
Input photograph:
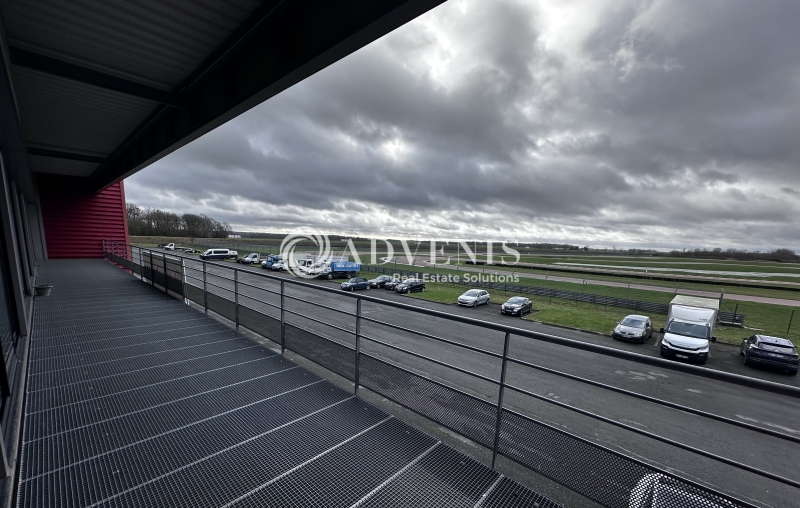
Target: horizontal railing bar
point(651, 435)
point(320, 322)
point(261, 301)
point(437, 362)
point(434, 337)
point(346, 312)
point(426, 378)
point(241, 283)
point(737, 379)
point(658, 401)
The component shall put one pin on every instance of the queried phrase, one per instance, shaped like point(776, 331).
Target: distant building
point(234, 236)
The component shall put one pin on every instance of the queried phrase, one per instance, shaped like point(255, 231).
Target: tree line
point(783, 255)
point(154, 222)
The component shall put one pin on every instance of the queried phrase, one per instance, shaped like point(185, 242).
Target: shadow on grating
point(134, 399)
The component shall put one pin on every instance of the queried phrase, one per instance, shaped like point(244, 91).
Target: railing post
point(152, 271)
point(141, 264)
point(164, 258)
point(205, 290)
point(358, 346)
point(183, 281)
point(500, 398)
point(236, 296)
point(283, 323)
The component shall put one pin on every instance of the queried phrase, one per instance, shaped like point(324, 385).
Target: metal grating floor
point(134, 399)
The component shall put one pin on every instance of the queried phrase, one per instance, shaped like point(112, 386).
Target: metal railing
point(478, 387)
point(732, 318)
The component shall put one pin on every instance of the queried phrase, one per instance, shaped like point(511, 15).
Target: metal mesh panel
point(194, 294)
point(175, 285)
point(331, 355)
point(465, 482)
point(221, 306)
point(510, 494)
point(467, 415)
point(260, 323)
point(598, 473)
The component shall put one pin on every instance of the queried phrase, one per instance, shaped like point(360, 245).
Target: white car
point(278, 265)
point(474, 297)
point(170, 246)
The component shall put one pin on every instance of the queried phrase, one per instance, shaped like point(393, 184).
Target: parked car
point(656, 490)
point(188, 250)
point(410, 286)
point(474, 297)
point(212, 254)
point(770, 351)
point(252, 258)
point(278, 266)
point(170, 246)
point(634, 327)
point(516, 306)
point(392, 284)
point(355, 283)
point(380, 281)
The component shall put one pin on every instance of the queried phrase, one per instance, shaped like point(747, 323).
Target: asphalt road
point(424, 263)
point(780, 413)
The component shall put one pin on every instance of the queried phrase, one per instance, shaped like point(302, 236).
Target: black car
point(516, 306)
point(355, 283)
point(380, 281)
point(410, 286)
point(392, 284)
point(770, 351)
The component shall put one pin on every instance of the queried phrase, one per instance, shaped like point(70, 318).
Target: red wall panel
point(76, 222)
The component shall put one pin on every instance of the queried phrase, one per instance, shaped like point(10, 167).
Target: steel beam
point(58, 154)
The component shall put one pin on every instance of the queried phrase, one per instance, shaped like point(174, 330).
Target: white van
point(690, 328)
point(212, 254)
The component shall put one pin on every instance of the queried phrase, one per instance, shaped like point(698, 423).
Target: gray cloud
point(648, 123)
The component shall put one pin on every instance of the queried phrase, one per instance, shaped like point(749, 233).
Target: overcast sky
point(638, 123)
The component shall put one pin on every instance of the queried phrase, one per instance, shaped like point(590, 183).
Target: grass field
point(760, 318)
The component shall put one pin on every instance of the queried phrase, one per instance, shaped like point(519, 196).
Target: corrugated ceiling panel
point(60, 113)
point(159, 43)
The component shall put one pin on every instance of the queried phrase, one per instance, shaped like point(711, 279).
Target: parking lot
point(743, 404)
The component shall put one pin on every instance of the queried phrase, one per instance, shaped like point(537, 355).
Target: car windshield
point(384, 277)
point(353, 280)
point(252, 255)
point(516, 300)
point(633, 322)
point(688, 330)
point(472, 292)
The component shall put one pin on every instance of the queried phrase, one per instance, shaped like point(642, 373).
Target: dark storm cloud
point(496, 119)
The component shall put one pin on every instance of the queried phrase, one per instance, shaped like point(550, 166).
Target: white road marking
point(693, 390)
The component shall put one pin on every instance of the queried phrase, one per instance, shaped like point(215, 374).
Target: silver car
point(474, 297)
point(634, 327)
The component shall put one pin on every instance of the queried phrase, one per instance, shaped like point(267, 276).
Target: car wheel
point(746, 359)
point(367, 286)
point(330, 276)
point(792, 372)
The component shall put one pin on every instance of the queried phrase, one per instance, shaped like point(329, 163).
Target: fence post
point(152, 271)
point(236, 296)
point(500, 399)
point(164, 258)
point(790, 322)
point(735, 309)
point(283, 322)
point(183, 281)
point(205, 290)
point(141, 264)
point(358, 346)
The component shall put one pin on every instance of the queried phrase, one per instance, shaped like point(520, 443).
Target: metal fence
point(732, 318)
point(478, 386)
